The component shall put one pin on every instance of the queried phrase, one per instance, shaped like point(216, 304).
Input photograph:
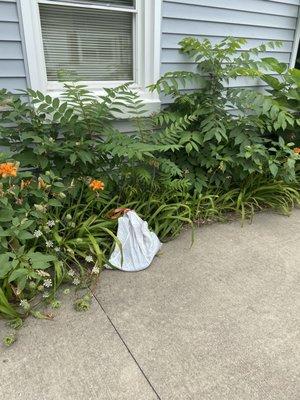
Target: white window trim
point(147, 50)
point(296, 43)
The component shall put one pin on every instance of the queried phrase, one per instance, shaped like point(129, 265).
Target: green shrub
point(53, 211)
point(285, 91)
point(216, 147)
point(75, 136)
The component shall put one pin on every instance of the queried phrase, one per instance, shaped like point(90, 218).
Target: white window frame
point(296, 43)
point(147, 48)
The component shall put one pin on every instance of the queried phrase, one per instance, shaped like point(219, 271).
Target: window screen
point(89, 44)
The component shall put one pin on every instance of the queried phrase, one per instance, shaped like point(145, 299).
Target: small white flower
point(49, 243)
point(51, 223)
point(57, 249)
point(47, 283)
point(37, 233)
point(89, 258)
point(71, 272)
point(95, 270)
point(24, 304)
point(46, 294)
point(76, 281)
point(51, 139)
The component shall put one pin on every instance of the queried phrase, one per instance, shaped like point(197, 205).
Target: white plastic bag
point(139, 244)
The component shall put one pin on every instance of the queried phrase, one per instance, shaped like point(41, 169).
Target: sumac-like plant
point(222, 132)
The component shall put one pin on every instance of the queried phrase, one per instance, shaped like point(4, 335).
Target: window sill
point(151, 101)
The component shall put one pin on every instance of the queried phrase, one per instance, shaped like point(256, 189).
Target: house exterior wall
point(12, 65)
point(255, 20)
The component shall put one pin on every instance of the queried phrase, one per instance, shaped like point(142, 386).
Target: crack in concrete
point(126, 346)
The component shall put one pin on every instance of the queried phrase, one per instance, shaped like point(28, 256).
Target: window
point(101, 43)
point(90, 44)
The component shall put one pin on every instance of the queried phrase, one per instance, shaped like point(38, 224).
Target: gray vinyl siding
point(12, 66)
point(257, 21)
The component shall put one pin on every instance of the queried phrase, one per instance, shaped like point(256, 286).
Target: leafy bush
point(34, 258)
point(54, 210)
point(285, 91)
point(75, 135)
point(216, 146)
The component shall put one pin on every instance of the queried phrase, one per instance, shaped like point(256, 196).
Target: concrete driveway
point(218, 321)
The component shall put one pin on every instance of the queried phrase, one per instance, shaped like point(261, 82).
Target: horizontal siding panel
point(240, 81)
point(191, 67)
point(170, 41)
point(174, 56)
point(11, 50)
point(295, 2)
point(166, 100)
point(9, 31)
point(13, 84)
point(253, 6)
point(12, 68)
point(199, 13)
point(8, 11)
point(183, 27)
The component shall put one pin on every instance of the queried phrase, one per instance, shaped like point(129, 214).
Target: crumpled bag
point(139, 244)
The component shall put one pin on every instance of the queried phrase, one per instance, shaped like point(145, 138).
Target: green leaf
point(55, 102)
point(274, 169)
point(18, 273)
point(5, 265)
point(6, 215)
point(41, 261)
point(209, 135)
point(274, 64)
point(273, 82)
point(24, 235)
point(54, 203)
point(73, 158)
point(188, 147)
point(295, 75)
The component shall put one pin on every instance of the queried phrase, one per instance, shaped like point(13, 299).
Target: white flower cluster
point(76, 281)
point(47, 283)
point(37, 233)
point(96, 270)
point(24, 304)
point(49, 243)
point(51, 223)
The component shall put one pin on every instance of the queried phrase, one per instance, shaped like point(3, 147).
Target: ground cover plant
point(64, 168)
